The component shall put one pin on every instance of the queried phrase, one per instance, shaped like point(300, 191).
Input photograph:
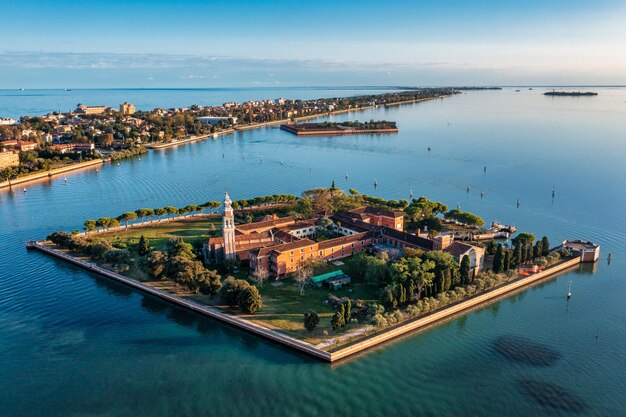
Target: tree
point(498, 260)
point(209, 282)
point(413, 268)
point(311, 320)
point(538, 249)
point(338, 319)
point(347, 311)
point(178, 247)
point(157, 263)
point(303, 274)
point(144, 212)
point(545, 245)
point(171, 210)
point(231, 289)
point(249, 299)
point(507, 261)
point(260, 276)
point(388, 298)
point(143, 247)
point(518, 255)
point(304, 207)
point(90, 225)
point(465, 269)
point(104, 140)
point(126, 217)
point(161, 211)
point(99, 247)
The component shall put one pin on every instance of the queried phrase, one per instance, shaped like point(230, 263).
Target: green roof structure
point(318, 280)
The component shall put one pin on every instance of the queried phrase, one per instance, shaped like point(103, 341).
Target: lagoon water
point(75, 344)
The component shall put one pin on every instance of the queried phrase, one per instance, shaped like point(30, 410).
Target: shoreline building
point(279, 245)
point(9, 159)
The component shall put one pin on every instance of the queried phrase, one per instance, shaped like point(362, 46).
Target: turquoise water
point(74, 344)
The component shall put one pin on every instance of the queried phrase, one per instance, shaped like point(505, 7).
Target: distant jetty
point(570, 93)
point(342, 128)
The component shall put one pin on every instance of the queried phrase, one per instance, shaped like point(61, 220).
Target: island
point(328, 273)
point(570, 93)
point(341, 128)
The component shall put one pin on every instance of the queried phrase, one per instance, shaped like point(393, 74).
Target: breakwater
point(419, 323)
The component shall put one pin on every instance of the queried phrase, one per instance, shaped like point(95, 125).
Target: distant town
point(35, 144)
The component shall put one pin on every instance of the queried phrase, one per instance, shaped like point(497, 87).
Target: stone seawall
point(51, 173)
point(450, 311)
point(357, 347)
point(189, 304)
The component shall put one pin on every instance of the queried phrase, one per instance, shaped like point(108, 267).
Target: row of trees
point(150, 214)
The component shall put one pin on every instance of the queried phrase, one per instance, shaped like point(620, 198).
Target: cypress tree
point(465, 269)
point(338, 319)
point(507, 261)
point(528, 255)
point(410, 291)
point(143, 248)
point(518, 255)
point(537, 249)
point(545, 246)
point(347, 312)
point(447, 280)
point(498, 260)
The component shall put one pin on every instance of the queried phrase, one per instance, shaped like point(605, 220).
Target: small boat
point(24, 189)
point(375, 184)
point(67, 89)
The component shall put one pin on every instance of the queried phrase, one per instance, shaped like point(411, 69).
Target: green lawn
point(283, 306)
point(192, 230)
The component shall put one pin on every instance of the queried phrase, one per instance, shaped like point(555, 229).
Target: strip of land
point(53, 172)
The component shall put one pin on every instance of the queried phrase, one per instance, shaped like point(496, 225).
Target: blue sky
point(289, 43)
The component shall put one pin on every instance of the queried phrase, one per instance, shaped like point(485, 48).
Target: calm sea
point(17, 103)
point(74, 344)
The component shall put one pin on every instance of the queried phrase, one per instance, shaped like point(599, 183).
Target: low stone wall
point(189, 304)
point(450, 311)
point(47, 174)
point(391, 333)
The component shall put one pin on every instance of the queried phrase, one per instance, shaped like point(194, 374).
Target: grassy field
point(283, 306)
point(194, 230)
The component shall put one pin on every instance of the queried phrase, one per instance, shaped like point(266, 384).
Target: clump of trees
point(239, 293)
point(464, 217)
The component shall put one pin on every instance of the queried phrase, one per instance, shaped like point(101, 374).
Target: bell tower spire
point(228, 228)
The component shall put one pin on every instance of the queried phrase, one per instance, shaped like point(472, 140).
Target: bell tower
point(228, 229)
